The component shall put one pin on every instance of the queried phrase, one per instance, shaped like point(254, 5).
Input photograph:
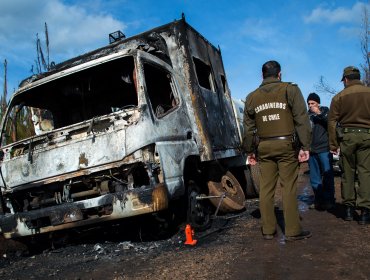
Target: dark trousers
point(322, 177)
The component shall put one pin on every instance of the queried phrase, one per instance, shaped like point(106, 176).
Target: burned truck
point(142, 126)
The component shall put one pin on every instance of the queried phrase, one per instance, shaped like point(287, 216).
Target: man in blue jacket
point(321, 160)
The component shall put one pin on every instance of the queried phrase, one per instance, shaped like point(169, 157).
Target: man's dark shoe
point(365, 217)
point(348, 213)
point(303, 235)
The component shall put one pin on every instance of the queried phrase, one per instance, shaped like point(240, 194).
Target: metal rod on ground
point(200, 197)
point(219, 203)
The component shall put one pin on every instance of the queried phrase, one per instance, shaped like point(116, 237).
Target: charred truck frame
point(128, 129)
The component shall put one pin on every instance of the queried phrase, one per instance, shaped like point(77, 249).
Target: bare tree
point(323, 87)
point(42, 63)
point(365, 46)
point(5, 91)
point(37, 60)
point(47, 46)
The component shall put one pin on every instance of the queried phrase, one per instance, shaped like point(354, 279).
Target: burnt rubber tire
point(256, 173)
point(198, 211)
point(252, 174)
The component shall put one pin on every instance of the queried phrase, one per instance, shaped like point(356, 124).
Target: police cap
point(349, 70)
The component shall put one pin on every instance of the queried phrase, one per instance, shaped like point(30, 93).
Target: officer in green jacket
point(350, 116)
point(273, 113)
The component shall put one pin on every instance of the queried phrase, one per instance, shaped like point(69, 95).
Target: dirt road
point(232, 249)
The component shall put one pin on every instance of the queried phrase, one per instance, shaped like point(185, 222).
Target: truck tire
point(252, 174)
point(256, 172)
point(198, 211)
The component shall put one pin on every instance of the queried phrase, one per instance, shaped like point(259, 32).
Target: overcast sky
point(309, 38)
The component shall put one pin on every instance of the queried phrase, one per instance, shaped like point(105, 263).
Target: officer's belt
point(276, 138)
point(355, 130)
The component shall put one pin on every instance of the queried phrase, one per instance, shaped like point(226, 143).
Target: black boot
point(365, 217)
point(348, 213)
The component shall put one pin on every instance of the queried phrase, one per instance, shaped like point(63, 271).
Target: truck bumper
point(107, 207)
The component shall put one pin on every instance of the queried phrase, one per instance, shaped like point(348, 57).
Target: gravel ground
point(232, 248)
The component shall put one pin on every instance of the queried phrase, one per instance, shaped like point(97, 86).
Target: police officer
point(350, 110)
point(273, 112)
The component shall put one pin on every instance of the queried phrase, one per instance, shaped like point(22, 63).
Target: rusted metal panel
point(77, 151)
point(120, 205)
point(173, 155)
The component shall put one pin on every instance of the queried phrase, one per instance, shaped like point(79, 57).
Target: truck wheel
point(198, 213)
point(234, 197)
point(256, 173)
point(252, 178)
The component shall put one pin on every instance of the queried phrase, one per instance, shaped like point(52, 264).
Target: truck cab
point(125, 130)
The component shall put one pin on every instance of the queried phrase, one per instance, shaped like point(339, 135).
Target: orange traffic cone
point(189, 236)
